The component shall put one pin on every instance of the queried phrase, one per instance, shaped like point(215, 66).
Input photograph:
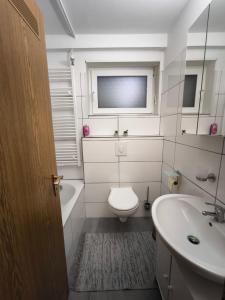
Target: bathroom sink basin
point(196, 240)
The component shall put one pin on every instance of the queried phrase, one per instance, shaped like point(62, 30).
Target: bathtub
point(69, 193)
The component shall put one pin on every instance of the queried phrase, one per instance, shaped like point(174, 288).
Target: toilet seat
point(123, 199)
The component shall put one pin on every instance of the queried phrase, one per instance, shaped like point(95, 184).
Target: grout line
point(132, 138)
point(213, 196)
point(123, 182)
point(172, 86)
point(168, 165)
point(220, 201)
point(162, 166)
point(203, 68)
point(116, 182)
point(170, 115)
point(219, 173)
point(122, 161)
point(190, 146)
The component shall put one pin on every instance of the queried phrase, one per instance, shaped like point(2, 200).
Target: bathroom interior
point(112, 149)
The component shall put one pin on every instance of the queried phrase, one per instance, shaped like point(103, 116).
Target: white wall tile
point(222, 80)
point(169, 126)
point(168, 152)
point(179, 120)
point(141, 212)
point(71, 172)
point(189, 124)
point(101, 126)
point(180, 96)
point(205, 122)
point(209, 143)
point(101, 172)
point(187, 187)
point(139, 125)
point(217, 109)
point(99, 151)
point(140, 188)
point(79, 107)
point(170, 100)
point(164, 190)
point(182, 57)
point(102, 210)
point(220, 203)
point(83, 84)
point(98, 192)
point(140, 171)
point(221, 186)
point(172, 74)
point(192, 162)
point(82, 107)
point(143, 150)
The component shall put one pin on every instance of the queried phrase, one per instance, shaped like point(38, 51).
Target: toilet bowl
point(123, 202)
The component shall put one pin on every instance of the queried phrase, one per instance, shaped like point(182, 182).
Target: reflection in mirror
point(204, 87)
point(194, 81)
point(211, 115)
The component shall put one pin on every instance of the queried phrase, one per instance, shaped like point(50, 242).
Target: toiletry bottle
point(86, 130)
point(213, 129)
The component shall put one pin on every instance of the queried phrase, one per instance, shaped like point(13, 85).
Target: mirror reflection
point(204, 86)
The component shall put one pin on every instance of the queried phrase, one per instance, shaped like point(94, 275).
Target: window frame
point(111, 71)
point(194, 70)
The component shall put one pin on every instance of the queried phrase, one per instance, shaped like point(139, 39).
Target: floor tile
point(114, 225)
point(119, 295)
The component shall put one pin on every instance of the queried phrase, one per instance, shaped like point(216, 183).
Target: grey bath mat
point(115, 261)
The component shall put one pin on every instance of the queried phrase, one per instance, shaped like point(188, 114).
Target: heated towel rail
point(64, 115)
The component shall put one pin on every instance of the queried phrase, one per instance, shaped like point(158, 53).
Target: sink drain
point(193, 239)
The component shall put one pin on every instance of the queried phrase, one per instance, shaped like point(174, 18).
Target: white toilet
point(123, 202)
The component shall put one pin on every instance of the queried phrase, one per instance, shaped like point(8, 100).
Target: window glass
point(122, 91)
point(190, 84)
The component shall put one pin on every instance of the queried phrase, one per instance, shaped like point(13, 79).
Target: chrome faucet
point(218, 214)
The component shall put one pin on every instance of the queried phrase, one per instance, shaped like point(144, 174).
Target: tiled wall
point(191, 155)
point(103, 169)
point(106, 125)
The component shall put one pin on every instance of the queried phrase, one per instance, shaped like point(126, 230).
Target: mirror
point(213, 94)
point(204, 84)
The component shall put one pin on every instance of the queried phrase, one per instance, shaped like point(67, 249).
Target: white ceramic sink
point(176, 216)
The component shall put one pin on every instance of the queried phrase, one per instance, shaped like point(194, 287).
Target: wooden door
point(32, 257)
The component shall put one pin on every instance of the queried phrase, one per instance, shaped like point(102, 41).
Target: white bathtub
point(69, 194)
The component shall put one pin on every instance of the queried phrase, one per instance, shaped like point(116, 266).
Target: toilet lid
point(123, 198)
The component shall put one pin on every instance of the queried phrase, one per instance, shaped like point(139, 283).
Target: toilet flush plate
point(121, 149)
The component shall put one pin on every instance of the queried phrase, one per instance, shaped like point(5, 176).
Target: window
point(190, 84)
point(192, 88)
point(118, 91)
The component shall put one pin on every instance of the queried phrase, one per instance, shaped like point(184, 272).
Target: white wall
point(139, 168)
point(190, 154)
point(177, 38)
point(107, 41)
point(106, 125)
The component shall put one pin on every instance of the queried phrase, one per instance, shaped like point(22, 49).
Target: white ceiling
point(216, 18)
point(53, 20)
point(112, 16)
